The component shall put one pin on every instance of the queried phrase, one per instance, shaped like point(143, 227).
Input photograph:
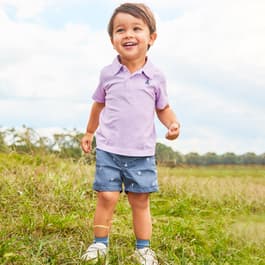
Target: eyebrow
point(122, 25)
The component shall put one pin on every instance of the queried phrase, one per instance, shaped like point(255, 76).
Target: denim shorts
point(118, 172)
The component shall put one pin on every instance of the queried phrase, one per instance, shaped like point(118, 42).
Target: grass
point(209, 216)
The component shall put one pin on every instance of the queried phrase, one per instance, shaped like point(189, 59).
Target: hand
point(173, 131)
point(86, 142)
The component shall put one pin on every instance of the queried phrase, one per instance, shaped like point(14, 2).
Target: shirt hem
point(126, 152)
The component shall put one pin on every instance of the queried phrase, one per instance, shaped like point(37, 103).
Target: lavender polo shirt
point(126, 123)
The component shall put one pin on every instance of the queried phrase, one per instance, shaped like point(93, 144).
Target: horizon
point(50, 132)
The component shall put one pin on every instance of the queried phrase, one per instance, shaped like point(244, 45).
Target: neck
point(133, 65)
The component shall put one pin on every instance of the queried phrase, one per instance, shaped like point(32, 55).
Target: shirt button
point(126, 165)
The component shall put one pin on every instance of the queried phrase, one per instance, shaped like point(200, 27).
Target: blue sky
point(212, 53)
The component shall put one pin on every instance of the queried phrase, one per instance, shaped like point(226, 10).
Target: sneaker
point(95, 251)
point(146, 256)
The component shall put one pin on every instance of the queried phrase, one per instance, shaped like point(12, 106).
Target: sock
point(104, 240)
point(142, 243)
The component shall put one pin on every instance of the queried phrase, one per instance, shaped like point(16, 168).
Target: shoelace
point(94, 247)
point(149, 255)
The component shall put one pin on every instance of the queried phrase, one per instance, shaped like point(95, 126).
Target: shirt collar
point(147, 69)
point(116, 66)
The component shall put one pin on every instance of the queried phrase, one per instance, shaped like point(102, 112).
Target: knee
point(139, 201)
point(107, 198)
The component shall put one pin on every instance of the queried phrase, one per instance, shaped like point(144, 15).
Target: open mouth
point(129, 44)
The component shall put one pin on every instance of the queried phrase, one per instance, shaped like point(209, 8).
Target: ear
point(153, 37)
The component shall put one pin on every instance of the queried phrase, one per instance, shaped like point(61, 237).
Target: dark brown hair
point(137, 10)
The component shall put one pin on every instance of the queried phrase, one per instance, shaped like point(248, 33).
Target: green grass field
point(213, 215)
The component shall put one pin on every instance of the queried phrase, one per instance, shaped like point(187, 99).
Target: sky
point(211, 52)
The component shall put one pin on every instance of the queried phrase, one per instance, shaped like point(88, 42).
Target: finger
point(172, 135)
point(86, 146)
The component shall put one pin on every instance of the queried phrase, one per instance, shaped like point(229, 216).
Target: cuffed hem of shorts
point(142, 190)
point(100, 188)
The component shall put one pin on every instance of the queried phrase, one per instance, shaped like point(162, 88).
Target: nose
point(128, 33)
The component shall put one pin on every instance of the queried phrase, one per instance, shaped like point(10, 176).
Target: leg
point(142, 222)
point(142, 227)
point(106, 202)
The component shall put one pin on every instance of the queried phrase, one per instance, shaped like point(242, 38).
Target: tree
point(249, 159)
point(210, 159)
point(261, 159)
point(179, 159)
point(165, 154)
point(68, 144)
point(229, 159)
point(23, 140)
point(193, 159)
point(3, 145)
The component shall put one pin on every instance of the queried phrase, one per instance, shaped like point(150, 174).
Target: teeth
point(129, 44)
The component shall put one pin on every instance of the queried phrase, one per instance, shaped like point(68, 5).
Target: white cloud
point(41, 62)
point(32, 8)
point(215, 144)
point(169, 3)
point(26, 9)
point(227, 37)
point(44, 113)
point(204, 140)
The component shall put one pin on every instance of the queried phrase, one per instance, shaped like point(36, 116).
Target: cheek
point(115, 40)
point(146, 38)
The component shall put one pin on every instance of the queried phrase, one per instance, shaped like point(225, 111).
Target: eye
point(137, 29)
point(119, 30)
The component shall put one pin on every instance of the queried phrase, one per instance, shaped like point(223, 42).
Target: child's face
point(131, 37)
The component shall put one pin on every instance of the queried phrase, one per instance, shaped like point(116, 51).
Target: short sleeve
point(99, 94)
point(161, 92)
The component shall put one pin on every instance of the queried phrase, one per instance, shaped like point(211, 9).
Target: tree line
point(67, 145)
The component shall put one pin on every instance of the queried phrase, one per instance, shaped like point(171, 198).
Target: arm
point(86, 141)
point(168, 118)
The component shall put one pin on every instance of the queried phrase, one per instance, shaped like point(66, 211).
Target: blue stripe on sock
point(104, 240)
point(142, 243)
